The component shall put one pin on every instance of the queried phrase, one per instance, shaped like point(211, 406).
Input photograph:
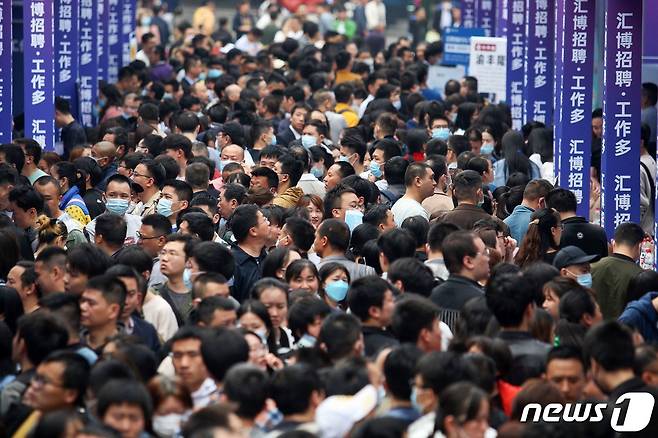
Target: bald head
point(233, 152)
point(233, 92)
point(104, 149)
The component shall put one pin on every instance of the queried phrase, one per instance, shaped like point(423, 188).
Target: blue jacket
point(518, 222)
point(641, 315)
point(501, 174)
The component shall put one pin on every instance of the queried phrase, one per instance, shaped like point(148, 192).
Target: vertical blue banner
point(38, 66)
point(88, 53)
point(103, 46)
point(486, 16)
point(501, 17)
point(576, 99)
point(620, 157)
point(516, 57)
point(66, 52)
point(539, 65)
point(468, 8)
point(557, 87)
point(128, 10)
point(114, 54)
point(5, 72)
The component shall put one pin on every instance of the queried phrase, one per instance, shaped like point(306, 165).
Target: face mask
point(453, 117)
point(202, 76)
point(353, 218)
point(223, 163)
point(585, 280)
point(308, 141)
point(344, 158)
point(381, 394)
point(164, 207)
point(167, 96)
point(144, 92)
point(337, 290)
point(441, 133)
point(317, 172)
point(145, 21)
point(117, 206)
point(131, 208)
point(214, 73)
point(126, 116)
point(262, 334)
point(187, 278)
point(397, 105)
point(307, 341)
point(487, 149)
point(167, 425)
point(273, 141)
point(414, 400)
point(375, 169)
point(102, 103)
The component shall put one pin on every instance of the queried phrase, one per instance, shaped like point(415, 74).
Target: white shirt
point(245, 45)
point(375, 14)
point(364, 104)
point(159, 313)
point(133, 221)
point(406, 207)
point(311, 185)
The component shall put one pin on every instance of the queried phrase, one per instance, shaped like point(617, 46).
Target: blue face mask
point(167, 96)
point(202, 76)
point(223, 163)
point(487, 149)
point(308, 141)
point(273, 141)
point(585, 280)
point(353, 218)
point(102, 103)
point(187, 278)
point(375, 169)
point(441, 133)
point(414, 400)
point(337, 290)
point(164, 207)
point(117, 206)
point(145, 21)
point(343, 158)
point(214, 73)
point(397, 105)
point(317, 172)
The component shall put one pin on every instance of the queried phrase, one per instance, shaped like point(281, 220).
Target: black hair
point(611, 345)
point(396, 243)
point(412, 314)
point(13, 155)
point(295, 269)
point(257, 308)
point(26, 197)
point(43, 334)
point(302, 233)
point(562, 200)
point(158, 222)
point(243, 219)
point(74, 176)
point(399, 370)
point(177, 142)
point(440, 369)
point(438, 232)
point(338, 335)
point(199, 224)
point(112, 289)
point(416, 277)
point(76, 372)
point(112, 227)
point(183, 190)
point(455, 247)
point(125, 391)
point(89, 260)
point(247, 386)
point(213, 257)
point(575, 304)
point(292, 388)
point(304, 313)
point(366, 292)
point(643, 282)
point(629, 233)
point(508, 297)
point(292, 167)
point(337, 233)
point(222, 350)
point(418, 227)
point(566, 352)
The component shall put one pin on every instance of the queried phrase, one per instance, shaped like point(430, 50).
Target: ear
point(98, 239)
point(335, 212)
point(115, 311)
point(374, 312)
point(70, 395)
point(399, 285)
point(186, 203)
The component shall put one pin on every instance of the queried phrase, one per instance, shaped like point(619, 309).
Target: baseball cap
point(337, 414)
point(235, 131)
point(572, 255)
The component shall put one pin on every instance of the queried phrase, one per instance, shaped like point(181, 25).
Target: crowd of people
point(279, 229)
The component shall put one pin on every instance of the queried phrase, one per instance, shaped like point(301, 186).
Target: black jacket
point(635, 384)
point(455, 292)
point(528, 356)
point(248, 270)
point(376, 339)
point(590, 238)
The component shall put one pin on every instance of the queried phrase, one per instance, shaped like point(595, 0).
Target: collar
point(622, 257)
point(295, 133)
point(574, 220)
point(469, 207)
point(514, 335)
point(242, 257)
point(154, 199)
point(461, 279)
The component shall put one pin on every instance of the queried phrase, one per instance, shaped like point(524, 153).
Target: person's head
point(466, 254)
point(186, 356)
point(627, 239)
point(102, 302)
point(419, 180)
point(609, 349)
point(567, 370)
point(575, 264)
point(435, 237)
point(395, 244)
point(302, 274)
point(289, 170)
point(410, 275)
point(416, 321)
point(178, 147)
point(125, 405)
point(23, 278)
point(340, 336)
point(333, 235)
point(248, 387)
point(649, 95)
point(463, 411)
point(371, 300)
point(110, 232)
point(646, 364)
point(298, 234)
point(467, 187)
point(84, 261)
point(249, 225)
point(535, 193)
point(198, 225)
point(135, 286)
point(544, 233)
point(26, 205)
point(296, 390)
point(306, 315)
point(231, 196)
point(510, 300)
point(223, 349)
point(643, 282)
point(176, 196)
point(60, 382)
point(274, 296)
point(336, 172)
point(173, 258)
point(50, 269)
point(352, 147)
point(562, 200)
point(153, 232)
point(211, 257)
point(399, 371)
point(38, 334)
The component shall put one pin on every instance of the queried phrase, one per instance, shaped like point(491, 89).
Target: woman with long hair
point(514, 160)
point(542, 240)
point(72, 187)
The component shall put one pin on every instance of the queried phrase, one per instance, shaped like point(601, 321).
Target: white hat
point(337, 414)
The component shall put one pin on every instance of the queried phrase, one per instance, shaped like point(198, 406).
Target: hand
point(273, 362)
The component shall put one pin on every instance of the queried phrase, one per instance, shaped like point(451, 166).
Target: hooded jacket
point(642, 315)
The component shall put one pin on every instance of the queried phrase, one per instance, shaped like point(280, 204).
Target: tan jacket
point(289, 198)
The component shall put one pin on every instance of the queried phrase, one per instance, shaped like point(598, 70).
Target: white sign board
point(438, 75)
point(488, 63)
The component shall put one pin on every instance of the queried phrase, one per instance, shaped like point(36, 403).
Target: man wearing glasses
point(149, 175)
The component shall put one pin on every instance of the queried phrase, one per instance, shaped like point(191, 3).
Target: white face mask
point(166, 426)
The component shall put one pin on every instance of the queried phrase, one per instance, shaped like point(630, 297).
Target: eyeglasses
point(142, 175)
point(485, 251)
point(41, 380)
point(141, 236)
